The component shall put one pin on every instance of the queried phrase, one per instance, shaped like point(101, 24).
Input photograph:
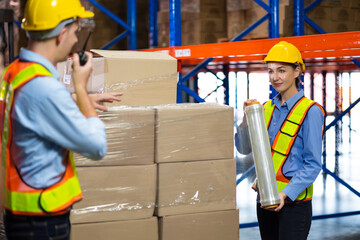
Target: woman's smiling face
point(283, 76)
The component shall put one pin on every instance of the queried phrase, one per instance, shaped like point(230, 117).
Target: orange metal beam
point(345, 44)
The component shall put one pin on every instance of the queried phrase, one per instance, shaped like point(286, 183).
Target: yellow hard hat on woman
point(41, 15)
point(285, 52)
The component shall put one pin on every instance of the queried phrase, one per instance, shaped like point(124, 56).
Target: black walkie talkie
point(82, 56)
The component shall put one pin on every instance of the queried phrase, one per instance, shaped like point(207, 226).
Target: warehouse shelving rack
point(325, 52)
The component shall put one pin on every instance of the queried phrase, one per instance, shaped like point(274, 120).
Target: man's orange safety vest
point(19, 197)
point(285, 139)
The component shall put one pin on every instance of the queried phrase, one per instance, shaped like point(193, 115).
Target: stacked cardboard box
point(243, 13)
point(203, 21)
point(331, 15)
point(196, 172)
point(335, 16)
point(194, 180)
point(118, 71)
point(192, 144)
point(119, 191)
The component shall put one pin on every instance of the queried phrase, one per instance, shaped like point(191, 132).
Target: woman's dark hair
point(297, 80)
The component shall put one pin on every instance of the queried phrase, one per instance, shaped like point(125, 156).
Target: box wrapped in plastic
point(199, 186)
point(145, 78)
point(130, 137)
point(192, 132)
point(115, 193)
point(139, 229)
point(208, 225)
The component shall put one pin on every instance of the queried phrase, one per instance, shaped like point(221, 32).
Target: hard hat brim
point(86, 14)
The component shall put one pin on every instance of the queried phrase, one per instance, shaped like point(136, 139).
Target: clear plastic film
point(192, 132)
point(199, 186)
point(130, 137)
point(144, 78)
point(115, 193)
point(269, 196)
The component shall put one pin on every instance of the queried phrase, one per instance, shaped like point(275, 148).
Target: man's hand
point(98, 99)
point(81, 74)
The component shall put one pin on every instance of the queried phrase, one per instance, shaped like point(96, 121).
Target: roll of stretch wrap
point(269, 196)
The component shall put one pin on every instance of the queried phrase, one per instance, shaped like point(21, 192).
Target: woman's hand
point(282, 201)
point(247, 102)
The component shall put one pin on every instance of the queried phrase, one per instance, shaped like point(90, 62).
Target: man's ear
point(61, 36)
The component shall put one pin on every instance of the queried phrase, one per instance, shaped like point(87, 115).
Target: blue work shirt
point(45, 122)
point(304, 162)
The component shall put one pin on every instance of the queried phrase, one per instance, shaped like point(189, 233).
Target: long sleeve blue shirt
point(304, 162)
point(45, 122)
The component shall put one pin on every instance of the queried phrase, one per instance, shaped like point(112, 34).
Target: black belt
point(10, 215)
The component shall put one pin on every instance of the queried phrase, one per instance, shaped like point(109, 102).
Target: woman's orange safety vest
point(285, 139)
point(21, 198)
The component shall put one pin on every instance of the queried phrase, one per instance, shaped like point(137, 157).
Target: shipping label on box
point(115, 193)
point(130, 137)
point(190, 187)
point(191, 132)
point(198, 226)
point(131, 229)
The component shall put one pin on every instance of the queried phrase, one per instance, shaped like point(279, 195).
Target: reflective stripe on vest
point(285, 139)
point(21, 198)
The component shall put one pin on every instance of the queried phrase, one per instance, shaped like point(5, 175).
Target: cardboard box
point(195, 38)
point(343, 14)
point(144, 78)
point(199, 226)
point(327, 3)
point(192, 187)
point(206, 25)
point(130, 137)
point(234, 5)
point(115, 193)
point(236, 23)
point(191, 132)
point(131, 230)
point(320, 13)
point(262, 31)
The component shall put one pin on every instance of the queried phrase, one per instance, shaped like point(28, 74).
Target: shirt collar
point(30, 56)
point(290, 102)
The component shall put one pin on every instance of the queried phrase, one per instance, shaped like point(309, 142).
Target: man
point(40, 124)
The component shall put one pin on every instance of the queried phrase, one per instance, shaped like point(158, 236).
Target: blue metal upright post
point(274, 19)
point(175, 39)
point(153, 29)
point(131, 21)
point(226, 83)
point(323, 73)
point(349, 112)
point(299, 21)
point(311, 85)
point(337, 125)
point(175, 22)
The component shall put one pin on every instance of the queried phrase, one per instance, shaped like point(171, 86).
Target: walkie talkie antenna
point(82, 56)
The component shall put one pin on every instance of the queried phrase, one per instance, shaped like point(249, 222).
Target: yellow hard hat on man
point(42, 15)
point(285, 52)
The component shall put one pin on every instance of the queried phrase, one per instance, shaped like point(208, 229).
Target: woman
point(295, 125)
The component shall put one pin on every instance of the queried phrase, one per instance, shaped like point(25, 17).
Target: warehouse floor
point(330, 197)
